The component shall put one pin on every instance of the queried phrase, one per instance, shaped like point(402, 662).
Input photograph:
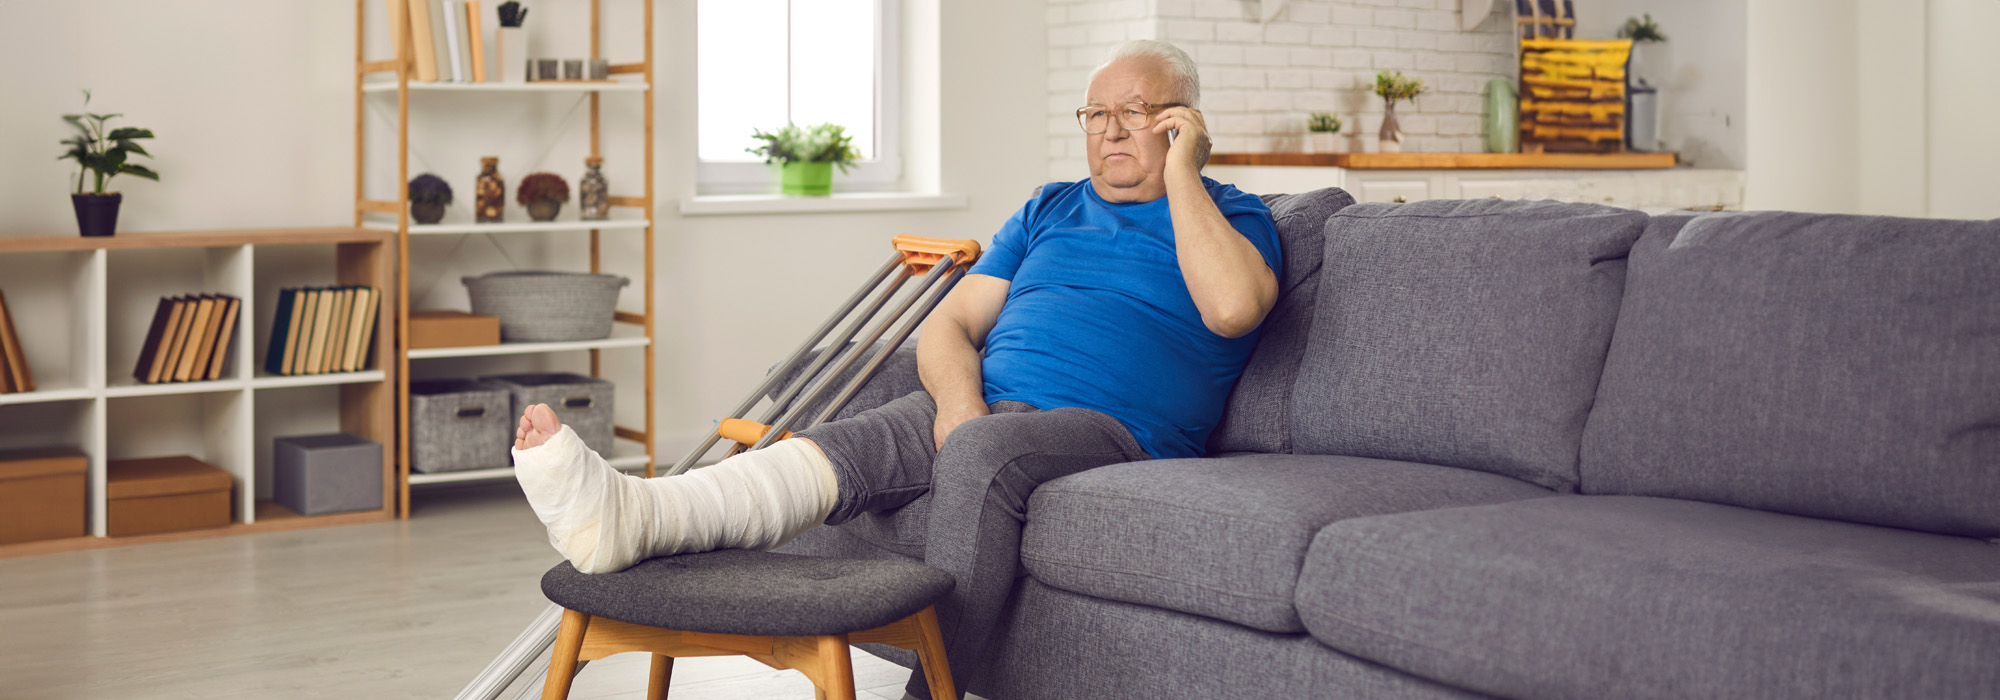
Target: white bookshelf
point(83, 308)
point(375, 86)
point(572, 226)
point(626, 455)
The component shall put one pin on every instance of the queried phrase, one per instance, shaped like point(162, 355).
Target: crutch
point(940, 263)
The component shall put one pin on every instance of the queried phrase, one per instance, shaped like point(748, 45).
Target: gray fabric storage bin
point(459, 424)
point(580, 402)
point(537, 306)
point(324, 474)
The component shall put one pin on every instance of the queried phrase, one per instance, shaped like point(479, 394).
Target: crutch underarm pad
point(921, 253)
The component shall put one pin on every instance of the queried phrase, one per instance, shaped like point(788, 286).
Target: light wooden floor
point(407, 609)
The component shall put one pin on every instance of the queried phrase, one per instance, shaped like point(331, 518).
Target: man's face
point(1126, 165)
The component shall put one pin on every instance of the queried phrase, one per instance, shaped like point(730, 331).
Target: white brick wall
point(1260, 79)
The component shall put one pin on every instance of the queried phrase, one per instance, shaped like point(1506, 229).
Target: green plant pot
point(814, 179)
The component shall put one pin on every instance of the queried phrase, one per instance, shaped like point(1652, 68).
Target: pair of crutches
point(940, 263)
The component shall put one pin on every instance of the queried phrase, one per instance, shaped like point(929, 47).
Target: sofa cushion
point(1254, 419)
point(1223, 537)
point(1841, 367)
point(1633, 597)
point(1464, 333)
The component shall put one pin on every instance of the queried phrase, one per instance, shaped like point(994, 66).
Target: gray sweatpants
point(979, 485)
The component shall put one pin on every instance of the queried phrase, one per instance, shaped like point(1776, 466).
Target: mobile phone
point(1171, 133)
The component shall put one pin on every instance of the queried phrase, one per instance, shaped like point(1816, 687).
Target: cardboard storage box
point(326, 474)
point(42, 495)
point(166, 494)
point(452, 329)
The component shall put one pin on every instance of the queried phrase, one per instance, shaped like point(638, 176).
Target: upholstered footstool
point(786, 610)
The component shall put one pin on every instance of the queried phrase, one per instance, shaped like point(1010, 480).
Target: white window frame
point(883, 172)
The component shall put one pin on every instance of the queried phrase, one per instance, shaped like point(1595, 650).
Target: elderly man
point(1107, 323)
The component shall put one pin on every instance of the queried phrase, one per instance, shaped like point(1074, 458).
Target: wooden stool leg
point(930, 651)
point(562, 657)
point(836, 667)
point(663, 675)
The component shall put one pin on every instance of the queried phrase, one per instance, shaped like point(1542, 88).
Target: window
point(766, 62)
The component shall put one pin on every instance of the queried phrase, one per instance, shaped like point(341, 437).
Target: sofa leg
point(662, 676)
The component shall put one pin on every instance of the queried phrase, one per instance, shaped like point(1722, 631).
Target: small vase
point(427, 212)
point(810, 179)
point(96, 214)
point(490, 192)
point(510, 54)
point(1391, 138)
point(593, 195)
point(544, 211)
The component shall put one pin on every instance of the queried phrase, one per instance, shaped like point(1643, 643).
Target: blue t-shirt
point(1099, 317)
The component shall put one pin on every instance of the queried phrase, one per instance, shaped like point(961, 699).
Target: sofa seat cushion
point(1637, 597)
point(1223, 537)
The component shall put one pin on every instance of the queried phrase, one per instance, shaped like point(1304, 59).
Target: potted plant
point(102, 154)
point(510, 43)
point(807, 156)
point(1324, 133)
point(428, 195)
point(543, 194)
point(1392, 86)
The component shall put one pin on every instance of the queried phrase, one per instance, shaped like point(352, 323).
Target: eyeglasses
point(1132, 115)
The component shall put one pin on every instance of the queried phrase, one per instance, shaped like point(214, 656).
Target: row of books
point(14, 375)
point(189, 339)
point(322, 329)
point(446, 39)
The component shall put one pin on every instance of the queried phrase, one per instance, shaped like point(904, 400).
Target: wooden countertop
point(1455, 161)
point(31, 243)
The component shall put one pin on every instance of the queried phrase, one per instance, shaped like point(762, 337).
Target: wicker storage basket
point(459, 424)
point(547, 306)
point(580, 402)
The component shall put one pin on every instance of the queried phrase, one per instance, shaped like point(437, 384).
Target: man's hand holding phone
point(1190, 152)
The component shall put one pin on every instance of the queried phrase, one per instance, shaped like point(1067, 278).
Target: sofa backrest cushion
point(1465, 333)
point(1255, 419)
point(1840, 367)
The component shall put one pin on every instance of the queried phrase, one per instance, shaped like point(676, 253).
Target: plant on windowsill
point(102, 153)
point(428, 196)
point(807, 156)
point(543, 194)
point(1392, 86)
point(1323, 133)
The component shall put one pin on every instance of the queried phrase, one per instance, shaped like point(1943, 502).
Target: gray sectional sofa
point(1539, 450)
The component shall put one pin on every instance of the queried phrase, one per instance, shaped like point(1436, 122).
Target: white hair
point(1182, 78)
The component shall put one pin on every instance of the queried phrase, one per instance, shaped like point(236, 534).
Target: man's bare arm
point(948, 351)
point(1231, 284)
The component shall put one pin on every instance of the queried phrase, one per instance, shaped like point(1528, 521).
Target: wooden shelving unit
point(84, 335)
point(631, 214)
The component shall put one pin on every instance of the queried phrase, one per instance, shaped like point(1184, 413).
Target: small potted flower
point(102, 155)
point(543, 194)
point(428, 196)
point(1392, 86)
point(1323, 133)
point(806, 156)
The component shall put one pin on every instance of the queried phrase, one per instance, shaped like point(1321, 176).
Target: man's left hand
point(1191, 145)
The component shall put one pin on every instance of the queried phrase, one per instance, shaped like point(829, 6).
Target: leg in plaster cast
point(604, 520)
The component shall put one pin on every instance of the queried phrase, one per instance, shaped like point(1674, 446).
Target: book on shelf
point(475, 46)
point(197, 335)
point(440, 37)
point(223, 337)
point(318, 330)
point(14, 374)
point(422, 53)
point(454, 39)
point(188, 339)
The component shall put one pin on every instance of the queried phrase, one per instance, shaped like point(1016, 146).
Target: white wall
point(1698, 70)
point(1802, 123)
point(1964, 98)
point(253, 104)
